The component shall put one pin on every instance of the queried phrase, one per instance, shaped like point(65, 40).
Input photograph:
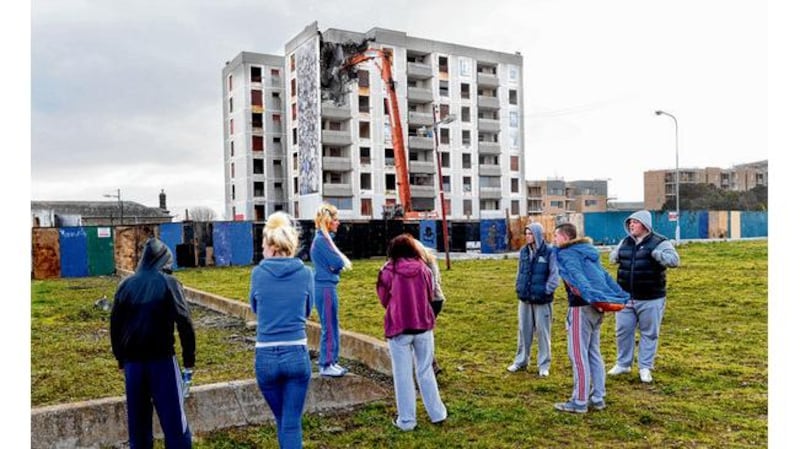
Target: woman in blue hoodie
point(281, 293)
point(328, 263)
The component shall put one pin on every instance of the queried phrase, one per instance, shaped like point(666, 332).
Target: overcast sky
point(127, 94)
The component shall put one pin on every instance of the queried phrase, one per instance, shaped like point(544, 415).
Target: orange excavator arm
point(398, 144)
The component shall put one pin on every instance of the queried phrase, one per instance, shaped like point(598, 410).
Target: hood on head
point(643, 216)
point(406, 267)
point(538, 233)
point(281, 267)
point(155, 256)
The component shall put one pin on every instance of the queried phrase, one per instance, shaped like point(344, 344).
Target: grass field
point(710, 387)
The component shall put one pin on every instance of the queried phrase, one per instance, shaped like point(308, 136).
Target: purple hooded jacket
point(405, 290)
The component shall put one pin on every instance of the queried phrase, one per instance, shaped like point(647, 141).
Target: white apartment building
point(342, 153)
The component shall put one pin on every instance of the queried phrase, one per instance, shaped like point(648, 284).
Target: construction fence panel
point(427, 233)
point(605, 228)
point(74, 259)
point(694, 224)
point(465, 236)
point(233, 243)
point(494, 238)
point(100, 248)
point(717, 224)
point(128, 244)
point(46, 258)
point(172, 236)
point(754, 224)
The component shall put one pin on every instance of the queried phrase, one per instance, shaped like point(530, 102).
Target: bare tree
point(202, 213)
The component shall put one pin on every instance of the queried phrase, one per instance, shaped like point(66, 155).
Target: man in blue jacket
point(643, 257)
point(147, 308)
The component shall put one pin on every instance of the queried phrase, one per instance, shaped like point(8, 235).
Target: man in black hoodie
point(147, 308)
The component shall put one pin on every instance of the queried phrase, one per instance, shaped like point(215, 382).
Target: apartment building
point(254, 136)
point(659, 185)
point(293, 151)
point(556, 196)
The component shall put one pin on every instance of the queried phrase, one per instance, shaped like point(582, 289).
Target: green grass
point(710, 387)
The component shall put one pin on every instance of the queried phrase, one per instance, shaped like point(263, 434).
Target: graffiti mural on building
point(308, 117)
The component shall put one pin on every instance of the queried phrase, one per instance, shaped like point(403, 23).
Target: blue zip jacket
point(281, 294)
point(327, 262)
point(586, 280)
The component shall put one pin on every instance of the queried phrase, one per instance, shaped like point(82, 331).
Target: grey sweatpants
point(534, 318)
point(583, 347)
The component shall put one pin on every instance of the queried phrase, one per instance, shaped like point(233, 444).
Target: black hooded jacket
point(147, 308)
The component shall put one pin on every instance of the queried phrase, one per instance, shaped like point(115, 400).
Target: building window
point(512, 73)
point(363, 78)
point(259, 212)
point(291, 62)
point(444, 111)
point(514, 207)
point(366, 181)
point(466, 138)
point(365, 156)
point(464, 66)
point(444, 88)
point(589, 203)
point(231, 148)
point(257, 120)
point(258, 143)
point(258, 166)
point(446, 183)
point(363, 103)
point(467, 180)
point(277, 168)
point(444, 136)
point(390, 182)
point(465, 90)
point(447, 207)
point(258, 189)
point(465, 115)
point(294, 87)
point(512, 96)
point(490, 205)
point(514, 163)
point(255, 74)
point(514, 185)
point(230, 129)
point(363, 130)
point(467, 207)
point(556, 204)
point(233, 170)
point(256, 99)
point(445, 160)
point(443, 64)
point(230, 104)
point(230, 83)
point(366, 207)
point(466, 161)
point(513, 118)
point(294, 136)
point(233, 192)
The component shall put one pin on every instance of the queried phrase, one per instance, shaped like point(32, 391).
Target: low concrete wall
point(103, 422)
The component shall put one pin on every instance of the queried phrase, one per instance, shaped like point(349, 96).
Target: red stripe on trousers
point(576, 352)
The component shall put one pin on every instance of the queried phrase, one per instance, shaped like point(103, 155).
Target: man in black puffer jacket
point(147, 308)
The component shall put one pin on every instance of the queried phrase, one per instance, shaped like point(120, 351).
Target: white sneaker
point(331, 371)
point(513, 368)
point(544, 373)
point(341, 368)
point(617, 370)
point(645, 375)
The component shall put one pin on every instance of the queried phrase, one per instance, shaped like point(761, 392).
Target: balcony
point(488, 102)
point(488, 80)
point(419, 142)
point(420, 118)
point(426, 167)
point(330, 110)
point(338, 190)
point(336, 138)
point(490, 193)
point(423, 191)
point(418, 95)
point(489, 170)
point(490, 125)
point(488, 148)
point(336, 163)
point(418, 71)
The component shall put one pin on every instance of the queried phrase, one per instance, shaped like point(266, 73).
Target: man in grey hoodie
point(643, 257)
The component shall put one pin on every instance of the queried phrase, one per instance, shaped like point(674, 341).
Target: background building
point(341, 151)
point(254, 136)
point(556, 196)
point(659, 185)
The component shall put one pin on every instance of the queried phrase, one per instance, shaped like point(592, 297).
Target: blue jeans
point(326, 300)
point(647, 316)
point(283, 374)
point(407, 350)
point(156, 383)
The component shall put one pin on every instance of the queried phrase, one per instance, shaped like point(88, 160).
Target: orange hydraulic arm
point(401, 166)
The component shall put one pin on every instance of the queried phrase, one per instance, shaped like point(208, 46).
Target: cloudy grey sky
point(127, 94)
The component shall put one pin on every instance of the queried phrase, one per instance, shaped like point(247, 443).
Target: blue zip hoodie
point(586, 280)
point(327, 262)
point(281, 294)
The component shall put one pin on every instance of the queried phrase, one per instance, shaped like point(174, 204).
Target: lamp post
point(445, 233)
point(118, 196)
point(677, 180)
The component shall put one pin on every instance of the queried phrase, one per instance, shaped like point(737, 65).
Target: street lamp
point(118, 196)
point(445, 233)
point(677, 180)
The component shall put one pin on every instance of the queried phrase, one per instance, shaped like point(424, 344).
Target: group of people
point(643, 257)
point(149, 305)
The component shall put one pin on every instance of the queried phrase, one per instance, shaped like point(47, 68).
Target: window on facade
point(259, 212)
point(446, 183)
point(443, 64)
point(257, 120)
point(258, 143)
point(364, 155)
point(444, 136)
point(230, 104)
point(390, 182)
point(514, 207)
point(513, 119)
point(258, 166)
point(512, 73)
point(294, 111)
point(467, 181)
point(366, 206)
point(256, 99)
point(230, 128)
point(464, 90)
point(233, 192)
point(294, 87)
point(231, 148)
point(589, 203)
point(230, 83)
point(294, 136)
point(363, 103)
point(557, 204)
point(467, 207)
point(512, 96)
point(444, 111)
point(366, 181)
point(388, 156)
point(258, 189)
point(514, 185)
point(445, 160)
point(514, 163)
point(490, 205)
point(447, 207)
point(363, 78)
point(466, 161)
point(444, 88)
point(277, 167)
point(233, 170)
point(363, 130)
point(291, 62)
point(466, 138)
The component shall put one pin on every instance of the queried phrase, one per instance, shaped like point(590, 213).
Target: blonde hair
point(425, 253)
point(326, 213)
point(280, 234)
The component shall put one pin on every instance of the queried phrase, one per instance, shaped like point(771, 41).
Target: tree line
point(711, 197)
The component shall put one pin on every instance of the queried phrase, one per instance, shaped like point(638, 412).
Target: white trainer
point(513, 368)
point(645, 375)
point(341, 368)
point(544, 373)
point(331, 371)
point(617, 370)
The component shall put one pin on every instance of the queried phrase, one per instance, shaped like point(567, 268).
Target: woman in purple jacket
point(405, 289)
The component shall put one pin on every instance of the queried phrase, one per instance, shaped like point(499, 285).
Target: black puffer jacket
point(147, 308)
